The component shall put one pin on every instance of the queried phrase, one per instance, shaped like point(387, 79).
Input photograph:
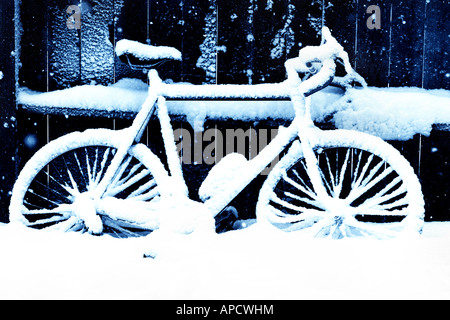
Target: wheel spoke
point(146, 192)
point(396, 204)
point(120, 171)
point(54, 180)
point(41, 222)
point(118, 188)
point(89, 170)
point(53, 190)
point(133, 170)
point(119, 227)
point(382, 212)
point(43, 198)
point(301, 210)
point(285, 204)
point(74, 184)
point(102, 165)
point(93, 172)
point(86, 183)
point(297, 175)
point(363, 172)
point(302, 188)
point(65, 225)
point(339, 185)
point(314, 203)
point(307, 215)
point(27, 206)
point(382, 197)
point(366, 185)
point(356, 170)
point(333, 182)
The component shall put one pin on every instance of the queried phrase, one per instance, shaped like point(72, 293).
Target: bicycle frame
point(293, 88)
point(159, 91)
point(380, 187)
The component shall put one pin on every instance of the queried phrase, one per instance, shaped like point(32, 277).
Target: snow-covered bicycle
point(333, 183)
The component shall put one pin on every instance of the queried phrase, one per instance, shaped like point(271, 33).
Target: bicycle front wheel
point(53, 191)
point(370, 189)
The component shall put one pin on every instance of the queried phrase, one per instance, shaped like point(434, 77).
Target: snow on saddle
point(140, 55)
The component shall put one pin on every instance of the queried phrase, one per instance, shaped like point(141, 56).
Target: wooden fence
point(55, 44)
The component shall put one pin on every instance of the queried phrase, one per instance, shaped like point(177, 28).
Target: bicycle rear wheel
point(371, 189)
point(54, 189)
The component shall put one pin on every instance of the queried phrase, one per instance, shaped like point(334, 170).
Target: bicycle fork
point(306, 130)
point(312, 166)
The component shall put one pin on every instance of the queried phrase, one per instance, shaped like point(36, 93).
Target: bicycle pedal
point(226, 219)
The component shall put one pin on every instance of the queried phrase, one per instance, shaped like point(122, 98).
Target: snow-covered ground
point(259, 262)
point(255, 263)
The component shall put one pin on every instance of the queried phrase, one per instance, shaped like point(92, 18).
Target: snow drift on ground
point(255, 263)
point(390, 113)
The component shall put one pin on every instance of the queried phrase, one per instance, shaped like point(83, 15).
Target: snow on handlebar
point(325, 54)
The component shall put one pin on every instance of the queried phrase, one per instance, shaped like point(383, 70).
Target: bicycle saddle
point(140, 55)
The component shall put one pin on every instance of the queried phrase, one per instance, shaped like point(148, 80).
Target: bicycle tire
point(65, 170)
point(371, 189)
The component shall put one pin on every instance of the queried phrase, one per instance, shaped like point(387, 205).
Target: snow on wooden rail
point(390, 113)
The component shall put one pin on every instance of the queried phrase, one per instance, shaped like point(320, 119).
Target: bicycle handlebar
point(326, 54)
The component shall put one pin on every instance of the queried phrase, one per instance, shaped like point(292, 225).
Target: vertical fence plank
point(372, 57)
point(34, 74)
point(306, 23)
point(437, 43)
point(87, 58)
point(193, 31)
point(164, 24)
point(64, 49)
point(97, 51)
point(31, 135)
point(406, 61)
point(406, 43)
point(132, 23)
point(205, 52)
point(435, 175)
point(165, 29)
point(158, 23)
point(340, 17)
point(237, 38)
point(8, 106)
point(34, 69)
point(274, 38)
